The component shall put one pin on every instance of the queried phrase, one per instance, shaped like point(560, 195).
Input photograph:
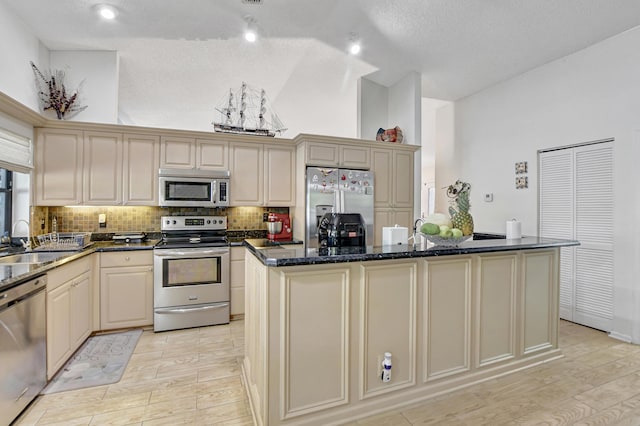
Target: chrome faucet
point(25, 244)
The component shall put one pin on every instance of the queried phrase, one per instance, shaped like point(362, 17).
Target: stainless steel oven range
point(191, 273)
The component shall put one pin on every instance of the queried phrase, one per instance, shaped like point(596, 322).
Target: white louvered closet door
point(576, 202)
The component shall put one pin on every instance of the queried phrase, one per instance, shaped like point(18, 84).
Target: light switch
point(488, 197)
point(102, 220)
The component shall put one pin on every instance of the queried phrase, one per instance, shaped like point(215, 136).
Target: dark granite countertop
point(16, 273)
point(289, 256)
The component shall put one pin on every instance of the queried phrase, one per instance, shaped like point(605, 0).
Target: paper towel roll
point(514, 229)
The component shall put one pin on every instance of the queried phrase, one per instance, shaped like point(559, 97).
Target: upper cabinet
point(102, 168)
point(177, 153)
point(337, 155)
point(75, 167)
point(58, 167)
point(140, 165)
point(246, 167)
point(393, 173)
point(279, 176)
point(212, 154)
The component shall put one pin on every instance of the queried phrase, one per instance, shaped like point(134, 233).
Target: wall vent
point(252, 1)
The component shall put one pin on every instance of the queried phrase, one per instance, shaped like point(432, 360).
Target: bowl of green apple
point(443, 235)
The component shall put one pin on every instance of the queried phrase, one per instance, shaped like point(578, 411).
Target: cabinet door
point(58, 167)
point(126, 297)
point(402, 179)
point(177, 153)
point(355, 157)
point(80, 310)
point(237, 280)
point(212, 155)
point(320, 154)
point(58, 330)
point(141, 163)
point(382, 166)
point(102, 168)
point(381, 218)
point(247, 178)
point(279, 167)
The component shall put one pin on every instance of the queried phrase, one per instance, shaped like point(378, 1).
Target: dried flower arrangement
point(53, 95)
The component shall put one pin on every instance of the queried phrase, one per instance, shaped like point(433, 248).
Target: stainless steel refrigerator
point(340, 191)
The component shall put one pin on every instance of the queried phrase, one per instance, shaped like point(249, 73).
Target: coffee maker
point(342, 230)
point(279, 226)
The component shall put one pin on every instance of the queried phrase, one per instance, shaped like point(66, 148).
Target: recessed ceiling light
point(107, 11)
point(354, 49)
point(250, 36)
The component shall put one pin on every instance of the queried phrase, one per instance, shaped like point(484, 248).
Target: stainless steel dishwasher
point(23, 362)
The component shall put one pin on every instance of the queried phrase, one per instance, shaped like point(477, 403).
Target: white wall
point(95, 75)
point(591, 95)
point(373, 108)
point(430, 133)
point(18, 46)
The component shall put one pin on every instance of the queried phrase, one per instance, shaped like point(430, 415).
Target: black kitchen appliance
point(342, 230)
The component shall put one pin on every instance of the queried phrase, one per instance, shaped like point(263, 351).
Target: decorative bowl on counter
point(451, 242)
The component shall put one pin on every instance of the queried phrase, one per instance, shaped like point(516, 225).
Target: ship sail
point(245, 110)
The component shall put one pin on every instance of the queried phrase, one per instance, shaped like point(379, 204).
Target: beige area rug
point(101, 360)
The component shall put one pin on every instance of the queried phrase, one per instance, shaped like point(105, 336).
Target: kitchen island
point(318, 323)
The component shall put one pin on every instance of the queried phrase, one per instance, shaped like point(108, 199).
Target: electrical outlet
point(265, 217)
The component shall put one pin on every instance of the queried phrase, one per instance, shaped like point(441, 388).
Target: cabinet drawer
point(126, 258)
point(64, 273)
point(237, 253)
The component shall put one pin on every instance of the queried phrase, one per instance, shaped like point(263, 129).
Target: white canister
point(514, 229)
point(394, 235)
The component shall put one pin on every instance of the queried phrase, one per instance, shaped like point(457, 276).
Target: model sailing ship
point(245, 111)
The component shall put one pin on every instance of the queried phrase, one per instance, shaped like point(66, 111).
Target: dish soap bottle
point(54, 230)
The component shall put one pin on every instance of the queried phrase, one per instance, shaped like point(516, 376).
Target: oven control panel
point(182, 223)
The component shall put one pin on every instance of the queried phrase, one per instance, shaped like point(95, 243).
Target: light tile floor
point(193, 377)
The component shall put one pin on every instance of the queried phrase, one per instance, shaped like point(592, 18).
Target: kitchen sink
point(34, 258)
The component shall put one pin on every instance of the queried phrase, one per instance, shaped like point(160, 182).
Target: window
point(5, 201)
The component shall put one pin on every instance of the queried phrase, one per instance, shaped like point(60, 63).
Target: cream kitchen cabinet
point(102, 168)
point(262, 175)
point(393, 192)
point(192, 153)
point(75, 167)
point(126, 289)
point(212, 154)
point(247, 177)
point(390, 217)
point(140, 170)
point(177, 152)
point(58, 167)
point(393, 178)
point(279, 172)
point(338, 155)
point(237, 280)
point(69, 311)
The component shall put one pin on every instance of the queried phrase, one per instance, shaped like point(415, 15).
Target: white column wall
point(590, 95)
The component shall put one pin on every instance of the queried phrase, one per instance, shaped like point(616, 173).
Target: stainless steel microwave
point(193, 188)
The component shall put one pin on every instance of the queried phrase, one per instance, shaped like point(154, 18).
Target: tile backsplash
point(145, 219)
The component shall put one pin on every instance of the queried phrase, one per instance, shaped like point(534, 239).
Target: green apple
point(445, 231)
point(456, 233)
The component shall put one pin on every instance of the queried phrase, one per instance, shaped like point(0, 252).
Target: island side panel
point(447, 317)
point(388, 318)
point(496, 308)
point(541, 295)
point(314, 339)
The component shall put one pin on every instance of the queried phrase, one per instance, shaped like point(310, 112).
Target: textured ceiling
point(459, 46)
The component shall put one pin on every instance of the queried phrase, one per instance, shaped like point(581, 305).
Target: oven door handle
point(194, 309)
point(199, 253)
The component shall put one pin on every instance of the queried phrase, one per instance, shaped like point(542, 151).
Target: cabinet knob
point(127, 258)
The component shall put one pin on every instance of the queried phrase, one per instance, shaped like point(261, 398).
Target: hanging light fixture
point(250, 32)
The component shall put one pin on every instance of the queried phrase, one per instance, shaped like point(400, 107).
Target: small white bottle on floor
point(386, 367)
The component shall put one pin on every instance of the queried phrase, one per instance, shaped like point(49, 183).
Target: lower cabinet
point(69, 311)
point(237, 280)
point(126, 289)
